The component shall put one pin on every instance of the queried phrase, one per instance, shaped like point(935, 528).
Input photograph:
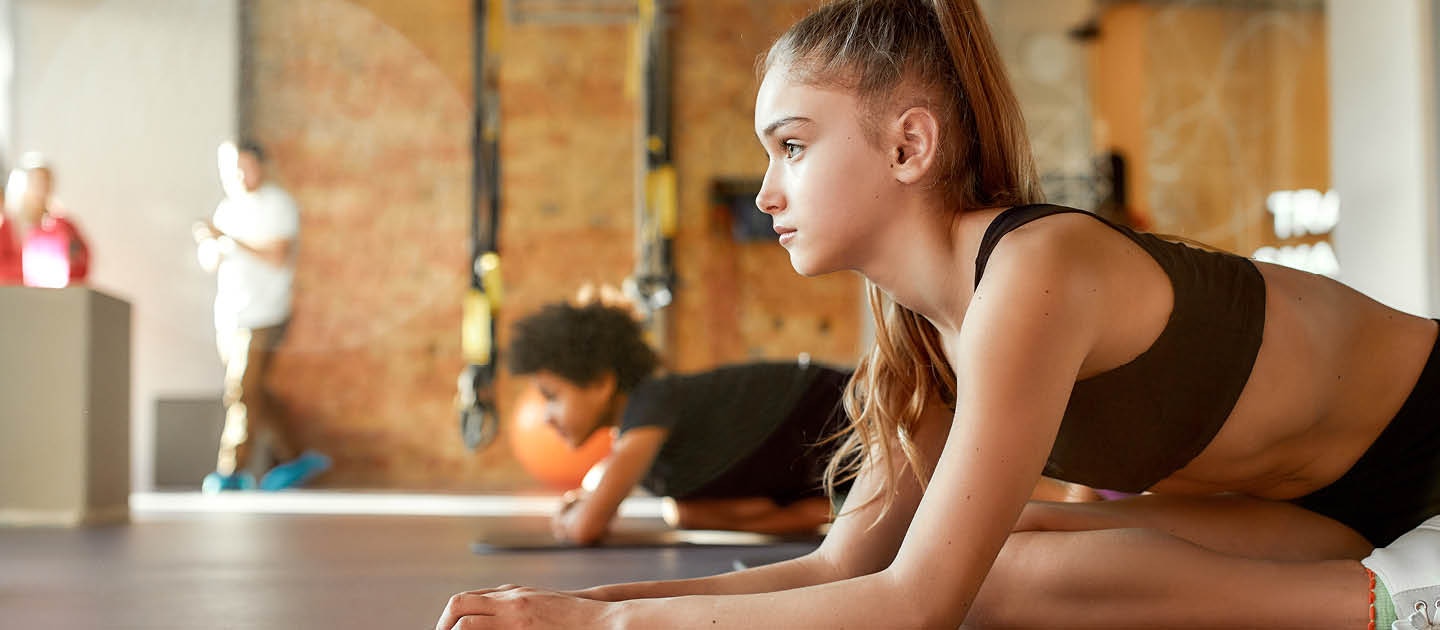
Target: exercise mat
point(543, 541)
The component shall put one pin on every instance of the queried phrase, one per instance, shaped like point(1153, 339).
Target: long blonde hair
point(902, 53)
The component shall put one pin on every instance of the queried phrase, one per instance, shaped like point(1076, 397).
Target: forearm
point(583, 522)
point(878, 600)
point(274, 253)
point(804, 571)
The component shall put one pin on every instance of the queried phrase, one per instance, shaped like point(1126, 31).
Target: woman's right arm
point(586, 519)
point(852, 548)
point(802, 571)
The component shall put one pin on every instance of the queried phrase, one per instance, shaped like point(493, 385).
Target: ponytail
point(1002, 167)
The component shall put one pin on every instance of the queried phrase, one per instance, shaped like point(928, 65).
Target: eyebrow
point(788, 120)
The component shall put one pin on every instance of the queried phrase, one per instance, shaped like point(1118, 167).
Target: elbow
point(937, 615)
point(586, 531)
point(587, 537)
point(832, 565)
point(843, 564)
point(931, 604)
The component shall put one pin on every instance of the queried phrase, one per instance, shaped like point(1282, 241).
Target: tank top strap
point(1008, 221)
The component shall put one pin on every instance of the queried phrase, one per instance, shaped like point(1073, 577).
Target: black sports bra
point(1130, 427)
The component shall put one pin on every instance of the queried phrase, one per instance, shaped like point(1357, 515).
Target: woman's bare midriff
point(1333, 369)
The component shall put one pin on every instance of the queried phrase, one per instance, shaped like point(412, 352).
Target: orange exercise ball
point(543, 454)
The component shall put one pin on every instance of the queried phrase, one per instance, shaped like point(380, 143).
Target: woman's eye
point(790, 148)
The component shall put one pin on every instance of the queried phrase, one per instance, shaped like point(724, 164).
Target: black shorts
point(1396, 484)
point(790, 463)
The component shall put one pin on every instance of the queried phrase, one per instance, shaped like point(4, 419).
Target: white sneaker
point(1418, 619)
point(1410, 569)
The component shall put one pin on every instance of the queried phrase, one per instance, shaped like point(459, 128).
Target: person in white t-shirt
point(250, 244)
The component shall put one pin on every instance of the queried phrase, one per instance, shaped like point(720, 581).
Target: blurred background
point(1237, 123)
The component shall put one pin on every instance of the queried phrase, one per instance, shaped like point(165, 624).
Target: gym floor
point(192, 562)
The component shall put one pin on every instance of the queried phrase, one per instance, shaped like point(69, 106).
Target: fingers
point(470, 603)
point(559, 528)
point(560, 524)
point(569, 500)
point(204, 230)
point(567, 505)
point(460, 604)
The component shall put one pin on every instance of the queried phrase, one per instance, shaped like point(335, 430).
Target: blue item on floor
point(216, 482)
point(296, 472)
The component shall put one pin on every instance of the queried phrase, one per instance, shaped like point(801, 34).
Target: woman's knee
point(1033, 517)
point(717, 513)
point(1052, 516)
point(692, 514)
point(1026, 571)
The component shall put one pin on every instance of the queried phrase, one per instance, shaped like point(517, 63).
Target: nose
point(769, 200)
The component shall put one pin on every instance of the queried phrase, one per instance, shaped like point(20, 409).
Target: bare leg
point(752, 514)
point(248, 408)
point(1055, 490)
point(234, 348)
point(1230, 524)
point(762, 515)
point(1135, 578)
point(1176, 562)
point(259, 403)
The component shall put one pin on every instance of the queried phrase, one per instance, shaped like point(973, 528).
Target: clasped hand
point(560, 524)
point(515, 607)
point(202, 230)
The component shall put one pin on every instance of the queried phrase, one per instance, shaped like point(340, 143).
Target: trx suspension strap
point(653, 284)
point(479, 422)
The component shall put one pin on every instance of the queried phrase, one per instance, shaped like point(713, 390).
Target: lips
point(786, 233)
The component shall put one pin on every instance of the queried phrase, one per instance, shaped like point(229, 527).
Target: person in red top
point(39, 246)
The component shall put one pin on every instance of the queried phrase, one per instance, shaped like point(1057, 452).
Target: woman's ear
point(915, 140)
point(606, 385)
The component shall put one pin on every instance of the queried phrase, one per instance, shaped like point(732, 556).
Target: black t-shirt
point(715, 418)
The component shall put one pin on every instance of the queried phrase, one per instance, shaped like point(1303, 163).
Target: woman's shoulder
point(1062, 267)
point(1066, 243)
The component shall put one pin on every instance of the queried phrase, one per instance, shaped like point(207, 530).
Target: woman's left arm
point(1027, 332)
point(79, 253)
point(1033, 321)
point(586, 519)
point(1025, 336)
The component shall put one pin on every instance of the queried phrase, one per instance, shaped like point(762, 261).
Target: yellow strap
point(660, 189)
point(475, 341)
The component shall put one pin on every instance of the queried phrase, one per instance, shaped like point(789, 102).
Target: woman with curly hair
point(739, 447)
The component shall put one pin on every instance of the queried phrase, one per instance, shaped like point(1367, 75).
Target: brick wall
point(366, 108)
point(371, 134)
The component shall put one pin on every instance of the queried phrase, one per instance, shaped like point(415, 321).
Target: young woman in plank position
point(1286, 427)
